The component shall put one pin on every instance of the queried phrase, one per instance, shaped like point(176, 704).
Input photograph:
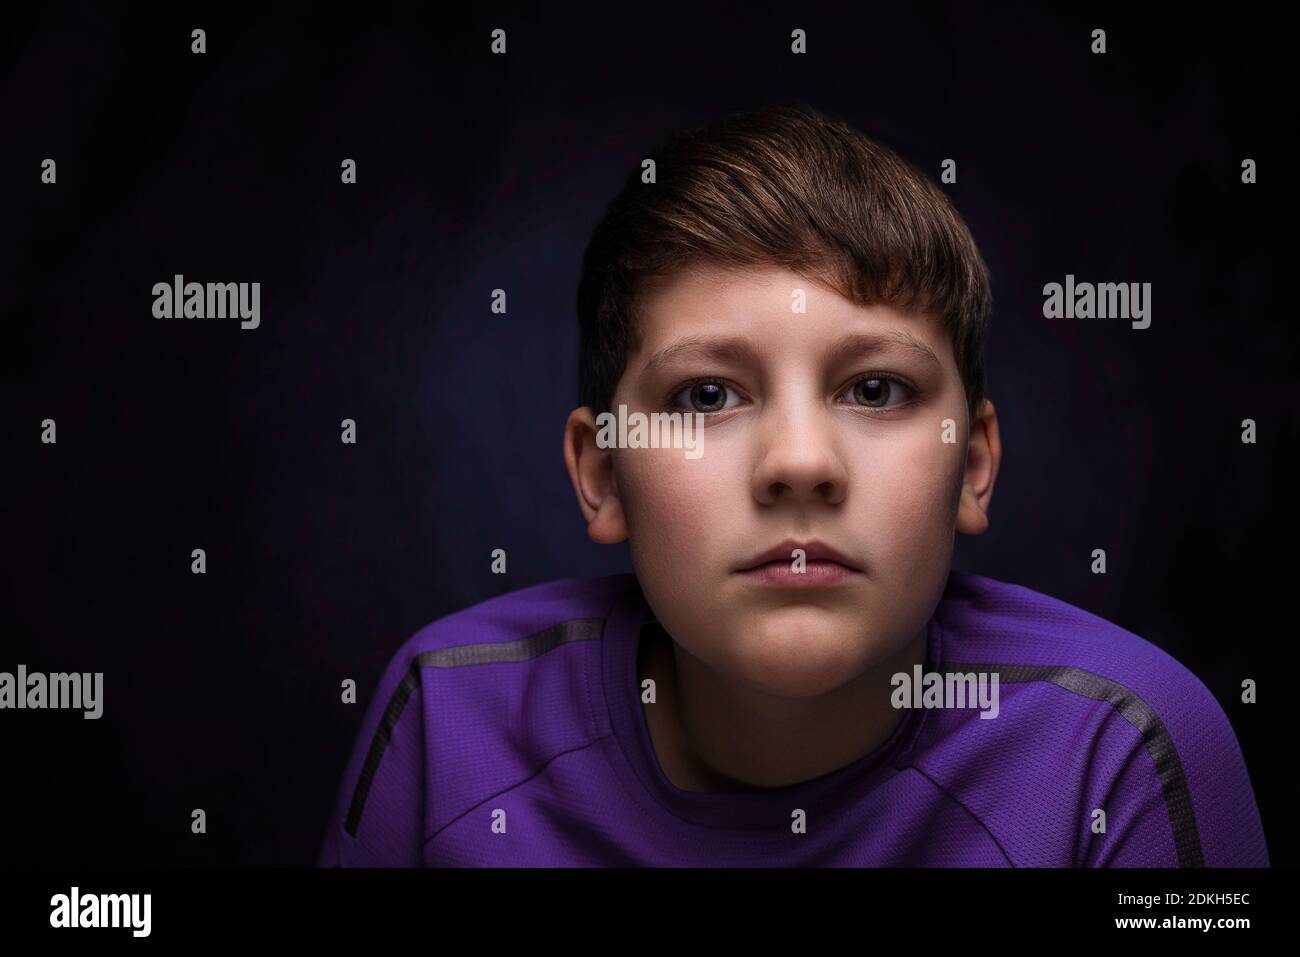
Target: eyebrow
point(739, 349)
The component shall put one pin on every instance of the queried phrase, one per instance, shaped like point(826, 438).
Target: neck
point(712, 736)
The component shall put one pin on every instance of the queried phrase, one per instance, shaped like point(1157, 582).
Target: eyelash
point(894, 380)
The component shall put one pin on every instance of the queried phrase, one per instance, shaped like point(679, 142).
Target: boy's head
point(824, 307)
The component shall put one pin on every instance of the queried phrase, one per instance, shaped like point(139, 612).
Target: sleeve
point(1182, 796)
point(378, 814)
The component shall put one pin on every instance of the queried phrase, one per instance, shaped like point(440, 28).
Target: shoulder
point(516, 631)
point(1115, 751)
point(503, 686)
point(562, 605)
point(469, 706)
point(1041, 638)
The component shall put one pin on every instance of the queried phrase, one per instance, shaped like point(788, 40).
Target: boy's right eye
point(703, 395)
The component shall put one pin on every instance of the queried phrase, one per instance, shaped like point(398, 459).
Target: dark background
point(476, 172)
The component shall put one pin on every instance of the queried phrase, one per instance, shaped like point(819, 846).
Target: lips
point(814, 551)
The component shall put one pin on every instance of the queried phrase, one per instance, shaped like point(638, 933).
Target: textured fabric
point(512, 734)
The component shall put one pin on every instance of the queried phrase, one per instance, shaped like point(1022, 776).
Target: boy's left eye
point(874, 391)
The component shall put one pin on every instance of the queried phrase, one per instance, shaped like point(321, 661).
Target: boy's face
point(803, 446)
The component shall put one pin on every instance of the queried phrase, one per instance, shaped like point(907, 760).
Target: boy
point(793, 675)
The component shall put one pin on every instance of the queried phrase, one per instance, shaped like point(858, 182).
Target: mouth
point(814, 574)
point(813, 551)
point(819, 565)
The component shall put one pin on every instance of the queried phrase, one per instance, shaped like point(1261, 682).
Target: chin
point(800, 660)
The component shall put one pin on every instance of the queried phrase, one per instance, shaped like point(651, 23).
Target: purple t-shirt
point(512, 734)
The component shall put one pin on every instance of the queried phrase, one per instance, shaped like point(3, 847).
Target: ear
point(983, 455)
point(591, 470)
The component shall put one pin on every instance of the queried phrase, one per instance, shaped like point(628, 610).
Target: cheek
point(674, 508)
point(908, 486)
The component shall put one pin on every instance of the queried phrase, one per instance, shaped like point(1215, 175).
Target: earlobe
point(591, 470)
point(608, 527)
point(972, 519)
point(983, 457)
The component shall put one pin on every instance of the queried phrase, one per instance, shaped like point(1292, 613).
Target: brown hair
point(789, 186)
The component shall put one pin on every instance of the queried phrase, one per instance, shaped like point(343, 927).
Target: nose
point(800, 460)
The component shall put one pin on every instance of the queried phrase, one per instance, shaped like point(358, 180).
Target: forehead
point(775, 311)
